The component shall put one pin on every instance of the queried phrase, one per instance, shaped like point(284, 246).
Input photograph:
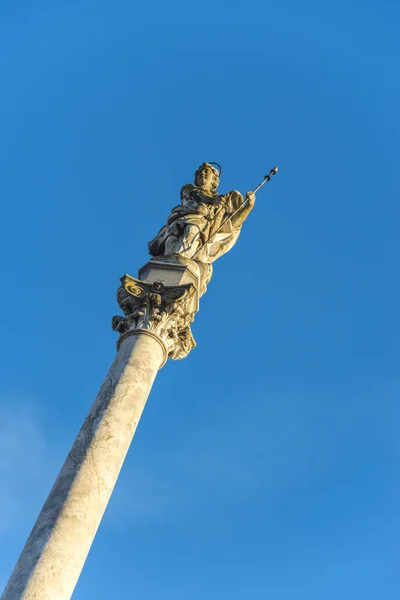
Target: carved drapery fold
point(161, 310)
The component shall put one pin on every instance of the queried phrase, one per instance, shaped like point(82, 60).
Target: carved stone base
point(178, 270)
point(173, 271)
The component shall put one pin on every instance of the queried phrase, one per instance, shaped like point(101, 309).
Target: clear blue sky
point(266, 464)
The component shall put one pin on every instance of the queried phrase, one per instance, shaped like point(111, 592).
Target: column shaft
point(53, 556)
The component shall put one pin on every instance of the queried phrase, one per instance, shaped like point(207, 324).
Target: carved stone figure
point(198, 231)
point(206, 224)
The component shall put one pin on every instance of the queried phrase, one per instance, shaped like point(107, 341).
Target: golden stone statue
point(206, 224)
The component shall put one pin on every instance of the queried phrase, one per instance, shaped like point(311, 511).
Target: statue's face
point(205, 177)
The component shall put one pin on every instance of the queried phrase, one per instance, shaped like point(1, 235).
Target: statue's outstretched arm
point(243, 213)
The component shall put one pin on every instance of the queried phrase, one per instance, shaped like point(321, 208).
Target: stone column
point(156, 326)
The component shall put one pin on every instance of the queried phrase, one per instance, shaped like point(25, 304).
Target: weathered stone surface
point(156, 326)
point(55, 552)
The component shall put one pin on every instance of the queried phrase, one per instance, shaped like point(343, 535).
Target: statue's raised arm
point(205, 225)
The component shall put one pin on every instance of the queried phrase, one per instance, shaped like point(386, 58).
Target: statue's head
point(207, 177)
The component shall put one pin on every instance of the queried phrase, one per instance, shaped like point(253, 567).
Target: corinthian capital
point(164, 311)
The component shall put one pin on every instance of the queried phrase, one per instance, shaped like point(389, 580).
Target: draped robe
point(207, 214)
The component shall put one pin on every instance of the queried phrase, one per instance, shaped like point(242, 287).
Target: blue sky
point(266, 464)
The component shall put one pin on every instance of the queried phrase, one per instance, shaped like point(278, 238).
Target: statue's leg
point(170, 244)
point(189, 242)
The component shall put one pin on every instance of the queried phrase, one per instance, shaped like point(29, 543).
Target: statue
point(200, 227)
point(206, 224)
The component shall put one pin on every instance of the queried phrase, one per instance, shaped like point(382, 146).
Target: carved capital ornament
point(160, 310)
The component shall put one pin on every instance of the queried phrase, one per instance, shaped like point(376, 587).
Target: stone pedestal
point(172, 271)
point(156, 326)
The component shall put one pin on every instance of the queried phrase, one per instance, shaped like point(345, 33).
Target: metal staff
point(266, 178)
